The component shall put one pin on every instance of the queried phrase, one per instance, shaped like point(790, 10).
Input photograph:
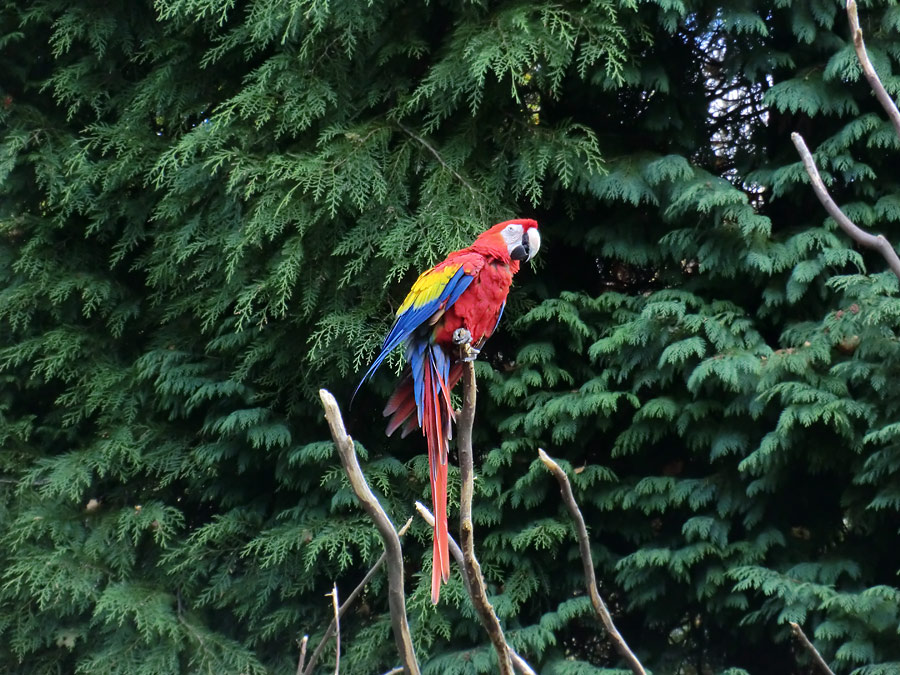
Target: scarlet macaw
point(458, 300)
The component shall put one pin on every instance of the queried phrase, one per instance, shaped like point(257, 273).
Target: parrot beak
point(528, 246)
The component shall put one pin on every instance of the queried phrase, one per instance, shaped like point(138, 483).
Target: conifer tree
point(208, 210)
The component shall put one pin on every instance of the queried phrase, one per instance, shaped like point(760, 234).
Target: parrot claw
point(462, 336)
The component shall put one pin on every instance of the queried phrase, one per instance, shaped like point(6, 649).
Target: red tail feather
point(411, 425)
point(400, 406)
point(402, 403)
point(400, 416)
point(436, 423)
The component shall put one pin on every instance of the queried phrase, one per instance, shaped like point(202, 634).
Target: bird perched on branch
point(456, 302)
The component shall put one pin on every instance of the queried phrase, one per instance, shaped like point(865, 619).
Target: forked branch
point(590, 579)
point(860, 236)
point(471, 568)
point(520, 664)
point(396, 596)
point(869, 71)
point(332, 627)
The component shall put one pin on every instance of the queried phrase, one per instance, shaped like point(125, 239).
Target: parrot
point(458, 301)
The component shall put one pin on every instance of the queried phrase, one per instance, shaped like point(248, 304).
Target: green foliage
point(207, 212)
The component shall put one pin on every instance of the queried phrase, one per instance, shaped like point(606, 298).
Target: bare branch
point(877, 87)
point(300, 663)
point(346, 605)
point(471, 568)
point(860, 236)
point(337, 630)
point(810, 647)
point(520, 664)
point(396, 597)
point(584, 547)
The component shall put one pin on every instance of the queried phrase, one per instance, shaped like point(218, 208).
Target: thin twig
point(590, 579)
point(471, 568)
point(409, 132)
point(520, 663)
point(811, 648)
point(396, 597)
point(337, 629)
point(455, 550)
point(346, 605)
point(869, 70)
point(300, 663)
point(861, 237)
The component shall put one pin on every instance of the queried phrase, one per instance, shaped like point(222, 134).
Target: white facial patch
point(512, 235)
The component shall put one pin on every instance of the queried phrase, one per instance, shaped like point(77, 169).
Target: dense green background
point(209, 209)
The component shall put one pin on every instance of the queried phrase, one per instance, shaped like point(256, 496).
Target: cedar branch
point(409, 132)
point(584, 547)
point(396, 597)
point(471, 568)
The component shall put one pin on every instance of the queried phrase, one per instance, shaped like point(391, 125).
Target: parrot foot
point(462, 336)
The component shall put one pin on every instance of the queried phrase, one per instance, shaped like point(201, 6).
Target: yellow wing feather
point(428, 287)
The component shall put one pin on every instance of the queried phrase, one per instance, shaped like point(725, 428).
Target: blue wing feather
point(406, 324)
point(416, 356)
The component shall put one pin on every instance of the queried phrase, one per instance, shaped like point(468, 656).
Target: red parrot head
point(520, 237)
